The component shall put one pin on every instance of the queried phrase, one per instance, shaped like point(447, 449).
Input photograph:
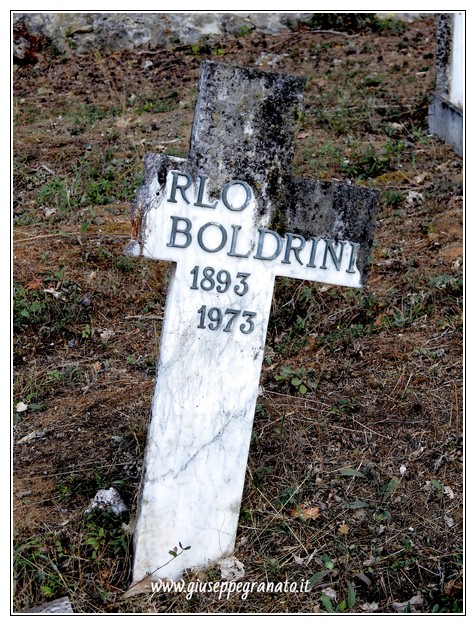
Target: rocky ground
point(354, 478)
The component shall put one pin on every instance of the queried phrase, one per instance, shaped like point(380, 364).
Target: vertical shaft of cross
point(207, 378)
point(244, 128)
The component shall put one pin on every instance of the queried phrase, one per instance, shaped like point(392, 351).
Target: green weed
point(56, 307)
point(29, 307)
point(366, 163)
point(170, 102)
point(86, 116)
point(355, 23)
point(344, 406)
point(259, 476)
point(57, 193)
point(125, 264)
point(287, 496)
point(392, 197)
point(104, 536)
point(36, 566)
point(244, 31)
point(200, 49)
point(299, 379)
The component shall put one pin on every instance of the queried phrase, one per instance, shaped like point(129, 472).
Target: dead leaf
point(34, 284)
point(142, 586)
point(123, 122)
point(343, 530)
point(36, 434)
point(305, 514)
point(420, 178)
point(363, 578)
point(349, 471)
point(415, 454)
point(330, 593)
point(449, 521)
point(453, 586)
point(389, 488)
point(302, 135)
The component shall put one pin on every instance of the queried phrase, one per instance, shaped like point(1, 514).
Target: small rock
point(231, 568)
point(449, 492)
point(107, 499)
point(85, 302)
point(370, 607)
point(36, 434)
point(413, 197)
point(449, 521)
point(403, 607)
point(61, 605)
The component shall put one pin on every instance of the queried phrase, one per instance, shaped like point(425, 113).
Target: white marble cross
point(231, 217)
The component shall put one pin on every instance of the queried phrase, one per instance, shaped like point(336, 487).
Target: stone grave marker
point(231, 217)
point(445, 116)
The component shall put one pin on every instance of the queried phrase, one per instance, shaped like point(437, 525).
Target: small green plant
point(105, 536)
point(244, 31)
point(170, 102)
point(56, 307)
point(132, 359)
point(365, 163)
point(54, 375)
point(125, 263)
point(57, 193)
point(355, 23)
point(392, 197)
point(344, 406)
point(200, 49)
point(28, 307)
point(87, 332)
point(259, 476)
point(287, 496)
point(176, 552)
point(347, 602)
point(297, 378)
point(35, 565)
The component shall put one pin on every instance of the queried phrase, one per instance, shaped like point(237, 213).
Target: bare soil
point(356, 484)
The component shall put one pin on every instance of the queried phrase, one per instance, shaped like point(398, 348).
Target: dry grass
point(374, 451)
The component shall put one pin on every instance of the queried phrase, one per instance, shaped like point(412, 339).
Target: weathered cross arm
point(231, 218)
point(323, 234)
